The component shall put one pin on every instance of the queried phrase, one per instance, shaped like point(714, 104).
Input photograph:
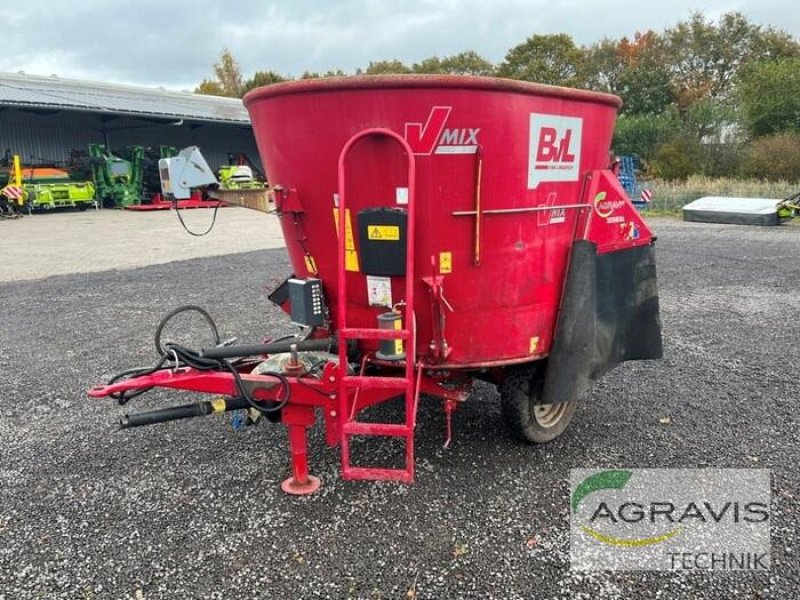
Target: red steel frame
point(407, 384)
point(340, 396)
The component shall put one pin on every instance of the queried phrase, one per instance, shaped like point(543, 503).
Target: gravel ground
point(193, 510)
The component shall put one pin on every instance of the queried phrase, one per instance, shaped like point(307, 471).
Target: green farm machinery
point(118, 180)
point(44, 187)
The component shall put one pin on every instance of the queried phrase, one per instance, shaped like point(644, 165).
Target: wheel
point(536, 423)
point(83, 206)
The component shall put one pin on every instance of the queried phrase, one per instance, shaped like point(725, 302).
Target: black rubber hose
point(182, 309)
point(240, 350)
point(186, 411)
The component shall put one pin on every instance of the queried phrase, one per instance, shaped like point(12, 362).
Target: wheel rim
point(548, 415)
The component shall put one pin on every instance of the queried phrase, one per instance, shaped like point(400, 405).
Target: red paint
point(514, 292)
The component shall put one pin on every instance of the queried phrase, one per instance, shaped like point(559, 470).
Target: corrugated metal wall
point(40, 136)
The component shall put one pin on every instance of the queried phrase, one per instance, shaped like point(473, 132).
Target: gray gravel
point(193, 510)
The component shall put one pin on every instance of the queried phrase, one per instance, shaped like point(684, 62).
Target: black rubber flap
point(609, 314)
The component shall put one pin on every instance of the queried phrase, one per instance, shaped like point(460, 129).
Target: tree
point(642, 135)
point(644, 82)
point(387, 67)
point(229, 74)
point(464, 63)
point(228, 78)
point(706, 58)
point(551, 59)
point(317, 74)
point(770, 97)
point(603, 65)
point(262, 78)
point(209, 88)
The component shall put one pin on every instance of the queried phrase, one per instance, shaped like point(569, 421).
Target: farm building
point(44, 119)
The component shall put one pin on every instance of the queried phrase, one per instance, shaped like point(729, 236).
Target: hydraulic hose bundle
point(174, 356)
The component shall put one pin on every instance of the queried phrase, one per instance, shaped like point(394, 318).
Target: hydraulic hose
point(185, 411)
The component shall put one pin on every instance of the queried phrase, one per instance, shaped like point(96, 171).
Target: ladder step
point(376, 474)
point(371, 383)
point(377, 429)
point(374, 334)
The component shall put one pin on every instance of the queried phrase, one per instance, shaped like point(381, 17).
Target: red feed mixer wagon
point(441, 230)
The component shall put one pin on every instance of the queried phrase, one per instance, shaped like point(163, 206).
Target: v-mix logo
point(434, 137)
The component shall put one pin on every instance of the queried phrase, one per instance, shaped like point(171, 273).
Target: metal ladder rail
point(407, 383)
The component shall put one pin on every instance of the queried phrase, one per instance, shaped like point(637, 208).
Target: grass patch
point(670, 196)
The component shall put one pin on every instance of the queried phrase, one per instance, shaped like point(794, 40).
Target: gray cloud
point(174, 44)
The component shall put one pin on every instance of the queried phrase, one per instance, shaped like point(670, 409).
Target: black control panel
point(306, 301)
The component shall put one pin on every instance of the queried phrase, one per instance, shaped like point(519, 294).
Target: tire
point(534, 423)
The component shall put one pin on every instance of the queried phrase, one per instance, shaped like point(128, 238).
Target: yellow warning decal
point(350, 255)
point(534, 344)
point(311, 265)
point(388, 233)
point(398, 344)
point(445, 263)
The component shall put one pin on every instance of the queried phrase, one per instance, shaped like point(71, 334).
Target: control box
point(306, 302)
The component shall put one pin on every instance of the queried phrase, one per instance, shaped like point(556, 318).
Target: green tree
point(387, 67)
point(706, 58)
point(463, 63)
point(643, 135)
point(551, 59)
point(603, 66)
point(633, 69)
point(262, 78)
point(317, 74)
point(770, 97)
point(644, 82)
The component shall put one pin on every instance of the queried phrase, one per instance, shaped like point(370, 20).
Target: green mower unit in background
point(118, 180)
point(50, 187)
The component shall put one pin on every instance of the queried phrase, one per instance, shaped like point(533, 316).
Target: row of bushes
point(772, 158)
point(674, 148)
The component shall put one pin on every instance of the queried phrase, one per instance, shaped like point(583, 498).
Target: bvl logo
point(554, 149)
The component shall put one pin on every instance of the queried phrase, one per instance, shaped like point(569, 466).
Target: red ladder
point(349, 384)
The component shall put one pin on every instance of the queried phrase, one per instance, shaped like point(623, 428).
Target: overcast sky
point(174, 44)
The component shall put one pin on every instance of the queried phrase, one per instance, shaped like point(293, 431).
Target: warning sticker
point(445, 263)
point(350, 255)
point(379, 291)
point(387, 233)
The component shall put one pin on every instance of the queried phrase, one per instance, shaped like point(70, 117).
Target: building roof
point(33, 91)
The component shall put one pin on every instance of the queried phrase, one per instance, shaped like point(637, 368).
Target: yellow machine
point(13, 194)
